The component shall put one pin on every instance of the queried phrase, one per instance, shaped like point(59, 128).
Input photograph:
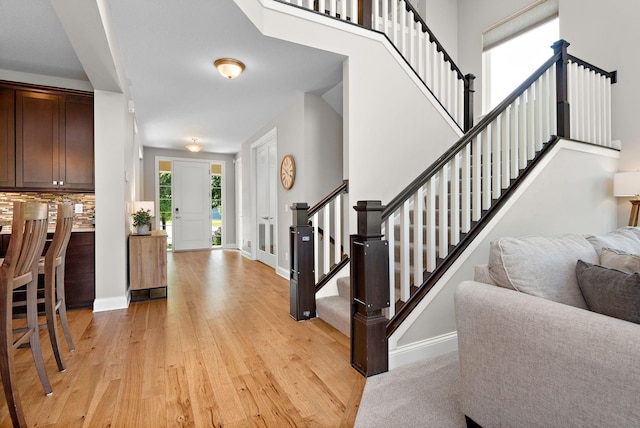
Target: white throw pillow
point(541, 266)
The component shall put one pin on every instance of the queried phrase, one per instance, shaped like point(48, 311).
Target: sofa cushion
point(541, 266)
point(620, 260)
point(625, 239)
point(609, 291)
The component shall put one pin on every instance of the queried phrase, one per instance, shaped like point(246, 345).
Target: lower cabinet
point(79, 278)
point(148, 266)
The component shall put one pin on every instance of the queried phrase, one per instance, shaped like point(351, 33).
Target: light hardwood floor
point(220, 351)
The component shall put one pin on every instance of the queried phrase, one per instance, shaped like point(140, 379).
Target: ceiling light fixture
point(194, 147)
point(229, 67)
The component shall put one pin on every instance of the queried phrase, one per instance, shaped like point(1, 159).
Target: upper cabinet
point(7, 138)
point(53, 140)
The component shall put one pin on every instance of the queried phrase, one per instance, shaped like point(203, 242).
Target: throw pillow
point(624, 239)
point(609, 291)
point(620, 260)
point(541, 266)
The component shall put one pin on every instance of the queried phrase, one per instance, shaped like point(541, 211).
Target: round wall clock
point(287, 172)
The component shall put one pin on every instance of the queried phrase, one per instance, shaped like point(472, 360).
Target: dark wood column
point(369, 291)
point(302, 293)
point(468, 101)
point(562, 89)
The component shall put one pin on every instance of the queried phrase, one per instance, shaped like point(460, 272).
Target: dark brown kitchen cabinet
point(54, 141)
point(7, 138)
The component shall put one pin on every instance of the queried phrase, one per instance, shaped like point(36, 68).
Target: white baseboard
point(111, 303)
point(246, 254)
point(232, 246)
point(424, 349)
point(283, 272)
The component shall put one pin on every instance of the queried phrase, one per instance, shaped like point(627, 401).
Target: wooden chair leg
point(50, 313)
point(62, 306)
point(7, 368)
point(34, 339)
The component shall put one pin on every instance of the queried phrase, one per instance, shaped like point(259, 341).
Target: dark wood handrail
point(397, 202)
point(343, 188)
point(613, 75)
point(432, 38)
point(437, 273)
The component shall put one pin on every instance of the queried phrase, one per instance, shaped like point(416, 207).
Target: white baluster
point(486, 167)
point(377, 18)
point(476, 178)
point(321, 6)
point(515, 143)
point(531, 134)
point(403, 30)
point(338, 243)
point(420, 52)
point(505, 146)
point(496, 159)
point(332, 7)
point(607, 113)
point(354, 11)
point(326, 247)
point(389, 227)
point(523, 149)
point(553, 117)
point(405, 267)
point(443, 211)
point(343, 9)
point(465, 188)
point(418, 231)
point(454, 199)
point(540, 138)
point(385, 16)
point(315, 219)
point(431, 224)
point(394, 23)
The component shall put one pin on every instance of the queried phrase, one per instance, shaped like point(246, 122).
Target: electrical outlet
point(78, 209)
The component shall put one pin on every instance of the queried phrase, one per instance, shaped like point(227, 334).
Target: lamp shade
point(626, 184)
point(144, 205)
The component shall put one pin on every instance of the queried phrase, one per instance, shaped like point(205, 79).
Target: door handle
point(265, 218)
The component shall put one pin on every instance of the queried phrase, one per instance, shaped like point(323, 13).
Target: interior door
point(266, 204)
point(191, 205)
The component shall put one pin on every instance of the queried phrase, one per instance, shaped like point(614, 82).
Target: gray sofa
point(532, 354)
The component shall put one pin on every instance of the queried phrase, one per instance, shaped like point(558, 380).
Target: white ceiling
point(168, 49)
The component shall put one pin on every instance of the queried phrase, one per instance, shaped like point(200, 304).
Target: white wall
point(580, 202)
point(311, 131)
point(228, 183)
point(600, 33)
point(113, 146)
point(393, 132)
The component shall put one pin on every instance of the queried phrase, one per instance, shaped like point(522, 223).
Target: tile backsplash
point(80, 220)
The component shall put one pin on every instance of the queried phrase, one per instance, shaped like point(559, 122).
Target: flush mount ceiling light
point(229, 67)
point(195, 147)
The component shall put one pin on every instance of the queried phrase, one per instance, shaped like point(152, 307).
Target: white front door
point(266, 203)
point(191, 205)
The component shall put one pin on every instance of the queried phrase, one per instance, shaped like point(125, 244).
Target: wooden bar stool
point(51, 294)
point(19, 268)
point(52, 267)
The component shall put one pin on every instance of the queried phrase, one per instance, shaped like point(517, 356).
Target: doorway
point(200, 185)
point(264, 154)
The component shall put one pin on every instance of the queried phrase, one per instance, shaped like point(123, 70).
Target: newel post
point(302, 293)
point(562, 89)
point(468, 101)
point(369, 291)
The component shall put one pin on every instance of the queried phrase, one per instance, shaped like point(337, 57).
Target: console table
point(148, 266)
